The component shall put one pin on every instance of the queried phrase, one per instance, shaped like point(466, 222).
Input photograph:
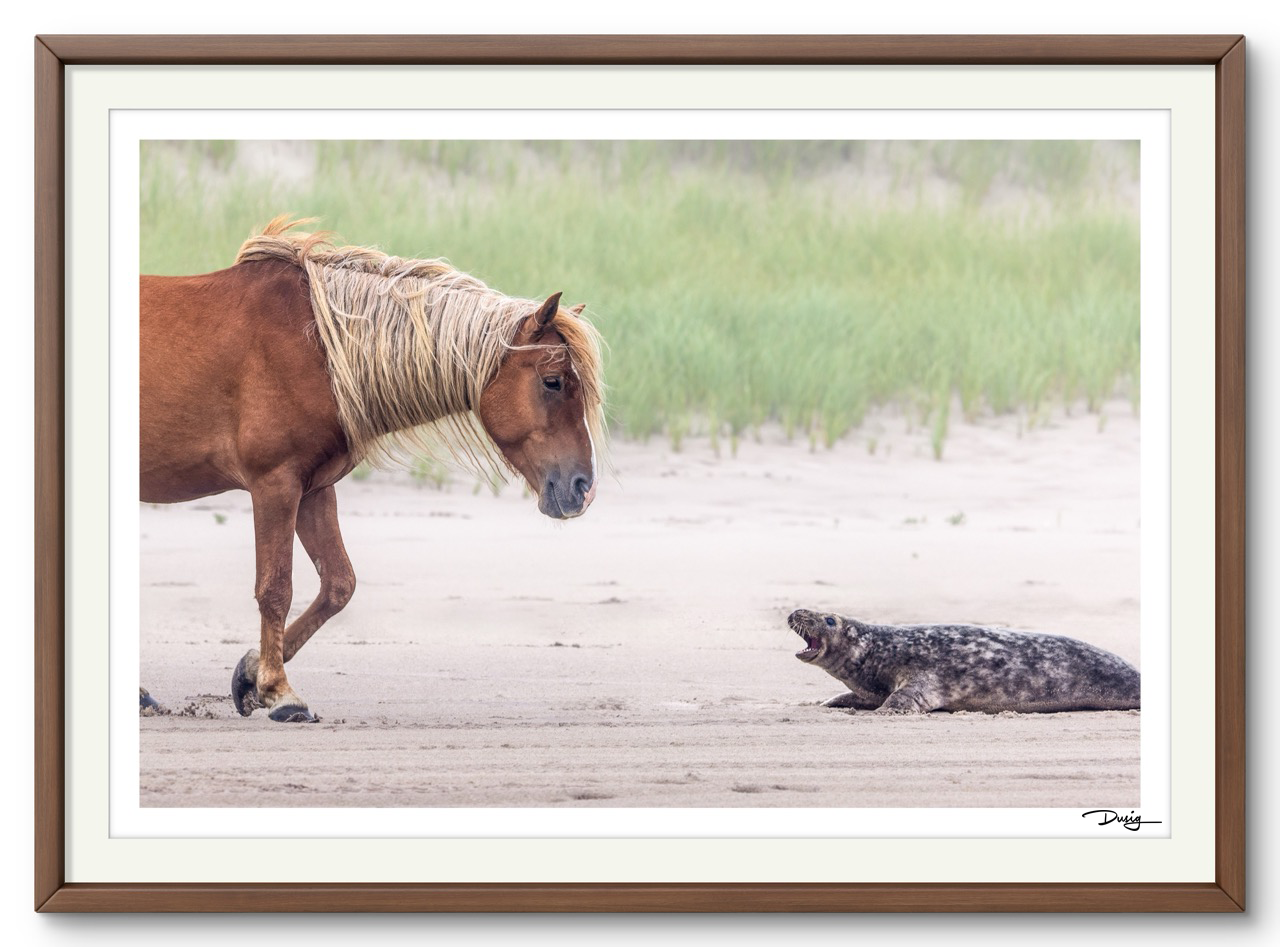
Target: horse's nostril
point(579, 487)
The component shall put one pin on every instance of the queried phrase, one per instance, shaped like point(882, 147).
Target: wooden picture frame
point(52, 53)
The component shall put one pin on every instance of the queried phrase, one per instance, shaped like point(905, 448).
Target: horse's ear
point(547, 310)
point(577, 310)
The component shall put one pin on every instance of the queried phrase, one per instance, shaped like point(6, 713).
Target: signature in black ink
point(1131, 821)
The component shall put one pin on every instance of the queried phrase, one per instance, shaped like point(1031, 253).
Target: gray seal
point(922, 668)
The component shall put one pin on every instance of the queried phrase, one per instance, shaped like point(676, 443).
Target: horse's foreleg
point(275, 516)
point(321, 538)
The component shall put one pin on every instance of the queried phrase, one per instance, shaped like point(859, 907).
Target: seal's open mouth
point(811, 649)
point(812, 645)
point(802, 622)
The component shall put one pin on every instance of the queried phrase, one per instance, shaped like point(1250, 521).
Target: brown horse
point(281, 373)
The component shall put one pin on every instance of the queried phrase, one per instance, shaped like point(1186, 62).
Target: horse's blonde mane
point(411, 344)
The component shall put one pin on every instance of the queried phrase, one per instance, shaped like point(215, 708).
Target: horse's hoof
point(292, 713)
point(146, 701)
point(244, 684)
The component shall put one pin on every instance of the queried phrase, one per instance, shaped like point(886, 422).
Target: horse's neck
point(428, 397)
point(394, 371)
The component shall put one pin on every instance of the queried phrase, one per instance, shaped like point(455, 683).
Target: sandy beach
point(639, 656)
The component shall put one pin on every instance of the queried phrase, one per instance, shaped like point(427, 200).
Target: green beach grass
point(737, 283)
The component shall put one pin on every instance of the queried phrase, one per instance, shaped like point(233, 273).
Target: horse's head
point(536, 411)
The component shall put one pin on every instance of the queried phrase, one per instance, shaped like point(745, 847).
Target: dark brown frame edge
point(52, 53)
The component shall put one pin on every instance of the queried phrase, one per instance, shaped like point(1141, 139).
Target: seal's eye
point(551, 383)
point(831, 622)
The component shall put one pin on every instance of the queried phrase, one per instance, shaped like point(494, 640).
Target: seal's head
point(820, 631)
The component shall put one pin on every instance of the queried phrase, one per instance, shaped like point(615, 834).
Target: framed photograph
point(640, 473)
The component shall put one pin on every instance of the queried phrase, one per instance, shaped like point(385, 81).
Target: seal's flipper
point(850, 701)
point(842, 700)
point(914, 697)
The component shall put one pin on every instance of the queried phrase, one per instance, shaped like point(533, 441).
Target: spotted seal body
point(922, 668)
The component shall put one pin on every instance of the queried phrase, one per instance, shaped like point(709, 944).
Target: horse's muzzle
point(564, 498)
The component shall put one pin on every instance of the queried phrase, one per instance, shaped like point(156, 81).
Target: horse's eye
point(551, 383)
point(831, 622)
